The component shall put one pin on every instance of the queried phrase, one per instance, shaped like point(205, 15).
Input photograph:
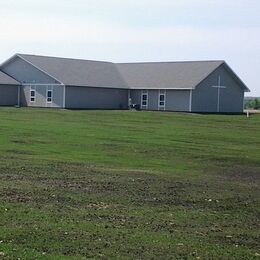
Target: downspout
point(64, 97)
point(19, 96)
point(190, 106)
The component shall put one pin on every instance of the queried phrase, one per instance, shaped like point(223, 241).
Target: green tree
point(257, 103)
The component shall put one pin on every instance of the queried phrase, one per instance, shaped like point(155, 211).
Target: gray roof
point(7, 80)
point(75, 72)
point(150, 75)
point(178, 75)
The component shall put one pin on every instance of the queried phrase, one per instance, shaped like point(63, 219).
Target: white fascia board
point(237, 77)
point(41, 84)
point(162, 88)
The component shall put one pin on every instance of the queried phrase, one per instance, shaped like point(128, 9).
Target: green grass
point(128, 185)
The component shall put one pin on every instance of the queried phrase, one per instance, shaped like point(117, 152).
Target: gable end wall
point(24, 72)
point(205, 97)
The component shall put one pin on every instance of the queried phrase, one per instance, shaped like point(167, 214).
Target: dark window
point(144, 99)
point(32, 97)
point(162, 100)
point(49, 96)
point(162, 97)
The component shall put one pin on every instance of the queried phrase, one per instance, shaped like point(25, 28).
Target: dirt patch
point(82, 185)
point(240, 173)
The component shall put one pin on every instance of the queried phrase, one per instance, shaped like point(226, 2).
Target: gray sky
point(137, 30)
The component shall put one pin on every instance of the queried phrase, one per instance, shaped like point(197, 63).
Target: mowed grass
point(128, 185)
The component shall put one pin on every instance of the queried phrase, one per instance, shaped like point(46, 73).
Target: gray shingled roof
point(178, 75)
point(74, 72)
point(172, 75)
point(7, 80)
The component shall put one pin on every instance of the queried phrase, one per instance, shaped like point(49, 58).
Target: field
point(128, 185)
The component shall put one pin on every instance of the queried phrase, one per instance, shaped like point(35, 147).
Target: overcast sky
point(137, 30)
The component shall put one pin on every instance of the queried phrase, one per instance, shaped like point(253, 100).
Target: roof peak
point(55, 57)
point(146, 62)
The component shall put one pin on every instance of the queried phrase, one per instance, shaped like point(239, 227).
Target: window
point(32, 94)
point(49, 96)
point(162, 99)
point(144, 101)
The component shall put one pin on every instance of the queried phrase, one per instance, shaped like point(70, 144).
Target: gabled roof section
point(75, 72)
point(167, 75)
point(235, 76)
point(7, 80)
point(150, 75)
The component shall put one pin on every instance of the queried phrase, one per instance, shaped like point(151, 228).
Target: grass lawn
point(128, 185)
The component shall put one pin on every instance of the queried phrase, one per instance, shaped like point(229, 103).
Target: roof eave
point(8, 60)
point(154, 88)
point(246, 89)
point(10, 84)
point(91, 86)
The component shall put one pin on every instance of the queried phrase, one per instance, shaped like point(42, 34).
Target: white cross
point(218, 87)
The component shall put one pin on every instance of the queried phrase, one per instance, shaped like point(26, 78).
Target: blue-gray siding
point(100, 98)
point(205, 97)
point(175, 100)
point(41, 96)
point(8, 95)
point(178, 100)
point(24, 72)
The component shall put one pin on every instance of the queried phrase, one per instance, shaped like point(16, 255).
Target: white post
point(247, 114)
point(129, 99)
point(64, 96)
point(190, 105)
point(218, 91)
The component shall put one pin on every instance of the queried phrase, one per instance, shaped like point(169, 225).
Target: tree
point(257, 103)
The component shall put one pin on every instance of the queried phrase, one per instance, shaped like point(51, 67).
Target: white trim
point(144, 92)
point(49, 88)
point(161, 92)
point(32, 88)
point(64, 97)
point(237, 77)
point(40, 84)
point(39, 69)
point(162, 88)
point(190, 105)
point(61, 84)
